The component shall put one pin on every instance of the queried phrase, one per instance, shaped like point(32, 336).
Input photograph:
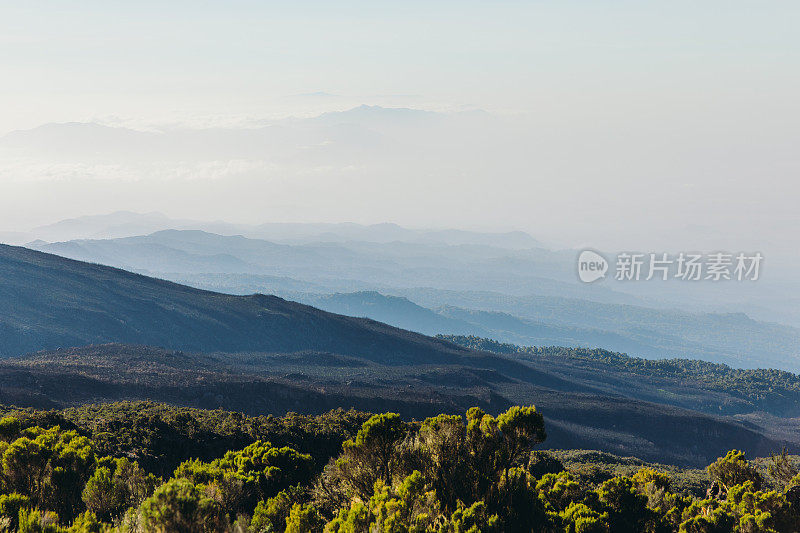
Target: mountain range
point(520, 295)
point(49, 302)
point(153, 339)
point(129, 224)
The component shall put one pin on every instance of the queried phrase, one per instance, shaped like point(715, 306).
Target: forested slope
point(143, 467)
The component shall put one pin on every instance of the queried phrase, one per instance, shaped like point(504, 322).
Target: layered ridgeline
point(261, 354)
point(519, 295)
point(49, 302)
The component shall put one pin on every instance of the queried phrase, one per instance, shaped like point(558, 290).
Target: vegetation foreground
point(143, 467)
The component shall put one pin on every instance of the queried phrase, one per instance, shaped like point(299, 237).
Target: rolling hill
point(578, 415)
point(505, 294)
point(265, 355)
point(49, 302)
point(405, 314)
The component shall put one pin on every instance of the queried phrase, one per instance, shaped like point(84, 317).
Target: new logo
point(591, 266)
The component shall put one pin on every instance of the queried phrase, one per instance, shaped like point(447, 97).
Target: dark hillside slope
point(48, 302)
point(312, 383)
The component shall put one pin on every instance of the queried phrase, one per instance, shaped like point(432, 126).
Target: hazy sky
point(623, 118)
point(85, 59)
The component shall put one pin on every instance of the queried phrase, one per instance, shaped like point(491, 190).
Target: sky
point(609, 123)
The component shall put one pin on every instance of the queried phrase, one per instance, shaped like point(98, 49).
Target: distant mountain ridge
point(511, 295)
point(129, 224)
point(393, 263)
point(47, 301)
point(403, 313)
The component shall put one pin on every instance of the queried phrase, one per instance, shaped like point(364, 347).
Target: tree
point(409, 507)
point(364, 460)
point(734, 469)
point(497, 444)
point(101, 495)
point(579, 518)
point(781, 468)
point(51, 467)
point(376, 440)
point(240, 479)
point(627, 508)
point(9, 428)
point(87, 523)
point(655, 486)
point(558, 491)
point(444, 459)
point(10, 505)
point(471, 519)
point(178, 506)
point(708, 517)
point(303, 519)
point(116, 485)
point(34, 521)
point(522, 428)
point(271, 514)
point(517, 505)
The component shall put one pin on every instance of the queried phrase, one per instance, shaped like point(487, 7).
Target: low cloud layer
point(620, 184)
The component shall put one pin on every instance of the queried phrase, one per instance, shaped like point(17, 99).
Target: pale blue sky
point(84, 59)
